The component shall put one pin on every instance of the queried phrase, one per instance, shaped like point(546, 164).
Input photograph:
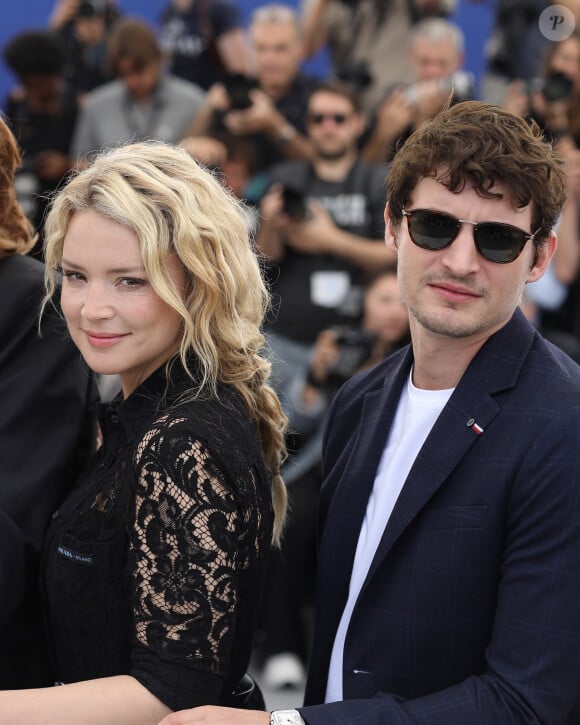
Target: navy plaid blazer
point(470, 612)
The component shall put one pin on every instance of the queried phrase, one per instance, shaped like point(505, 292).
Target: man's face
point(278, 53)
point(333, 125)
point(43, 90)
point(455, 292)
point(139, 82)
point(433, 61)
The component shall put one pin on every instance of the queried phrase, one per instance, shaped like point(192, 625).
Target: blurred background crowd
point(298, 107)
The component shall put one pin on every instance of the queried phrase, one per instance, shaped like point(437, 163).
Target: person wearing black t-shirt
point(204, 40)
point(318, 261)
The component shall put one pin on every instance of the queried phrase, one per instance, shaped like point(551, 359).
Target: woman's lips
point(103, 339)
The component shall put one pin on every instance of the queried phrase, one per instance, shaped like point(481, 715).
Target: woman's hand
point(217, 716)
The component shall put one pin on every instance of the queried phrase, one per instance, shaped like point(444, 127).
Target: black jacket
point(47, 414)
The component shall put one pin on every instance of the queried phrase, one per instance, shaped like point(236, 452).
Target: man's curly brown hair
point(483, 145)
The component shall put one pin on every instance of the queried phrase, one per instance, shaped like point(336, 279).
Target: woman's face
point(566, 58)
point(385, 314)
point(115, 318)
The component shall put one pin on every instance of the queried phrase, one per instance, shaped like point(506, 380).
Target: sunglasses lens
point(431, 230)
point(499, 243)
point(318, 118)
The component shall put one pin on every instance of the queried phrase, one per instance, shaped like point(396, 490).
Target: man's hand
point(260, 117)
point(516, 98)
point(217, 716)
point(430, 99)
point(314, 235)
point(394, 114)
point(324, 356)
point(217, 98)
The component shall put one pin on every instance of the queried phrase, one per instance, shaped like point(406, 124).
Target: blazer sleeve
point(532, 672)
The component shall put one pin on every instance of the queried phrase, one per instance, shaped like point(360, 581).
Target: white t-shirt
point(416, 414)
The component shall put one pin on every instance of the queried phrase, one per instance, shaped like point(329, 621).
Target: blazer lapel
point(469, 411)
point(349, 502)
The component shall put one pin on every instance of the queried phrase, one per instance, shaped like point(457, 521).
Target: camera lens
point(557, 87)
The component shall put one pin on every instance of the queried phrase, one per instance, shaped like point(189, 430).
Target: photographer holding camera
point(322, 230)
point(548, 98)
point(267, 110)
point(553, 101)
point(436, 53)
point(367, 39)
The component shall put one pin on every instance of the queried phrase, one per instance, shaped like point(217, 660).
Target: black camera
point(293, 203)
point(357, 75)
point(557, 87)
point(356, 347)
point(238, 87)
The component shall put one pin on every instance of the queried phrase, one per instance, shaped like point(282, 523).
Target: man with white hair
point(269, 110)
point(436, 53)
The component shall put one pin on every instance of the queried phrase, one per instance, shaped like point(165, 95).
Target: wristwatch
point(286, 717)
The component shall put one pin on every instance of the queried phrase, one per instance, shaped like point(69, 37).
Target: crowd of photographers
point(309, 156)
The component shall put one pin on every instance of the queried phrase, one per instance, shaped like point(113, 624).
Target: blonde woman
point(153, 566)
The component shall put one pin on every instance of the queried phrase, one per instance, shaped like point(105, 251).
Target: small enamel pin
point(475, 427)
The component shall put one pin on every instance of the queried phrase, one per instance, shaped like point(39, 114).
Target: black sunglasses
point(495, 241)
point(318, 118)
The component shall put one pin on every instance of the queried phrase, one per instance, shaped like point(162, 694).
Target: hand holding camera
point(316, 233)
point(251, 110)
point(339, 353)
point(238, 88)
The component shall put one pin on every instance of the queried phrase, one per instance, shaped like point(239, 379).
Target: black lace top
point(154, 565)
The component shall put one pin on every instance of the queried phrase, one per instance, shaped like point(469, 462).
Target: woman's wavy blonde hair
point(17, 235)
point(176, 207)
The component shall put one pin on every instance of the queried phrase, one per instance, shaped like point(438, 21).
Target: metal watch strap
point(286, 717)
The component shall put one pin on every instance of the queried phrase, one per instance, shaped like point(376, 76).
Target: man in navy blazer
point(449, 556)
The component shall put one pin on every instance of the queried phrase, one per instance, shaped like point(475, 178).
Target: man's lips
point(103, 339)
point(454, 293)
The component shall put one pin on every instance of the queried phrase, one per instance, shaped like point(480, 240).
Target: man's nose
point(461, 256)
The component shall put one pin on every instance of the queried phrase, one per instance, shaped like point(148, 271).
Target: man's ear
point(543, 257)
point(390, 237)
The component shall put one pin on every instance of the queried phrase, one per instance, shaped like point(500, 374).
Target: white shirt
point(416, 414)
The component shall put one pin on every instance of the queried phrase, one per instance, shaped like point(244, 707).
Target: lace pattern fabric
point(184, 550)
point(181, 500)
